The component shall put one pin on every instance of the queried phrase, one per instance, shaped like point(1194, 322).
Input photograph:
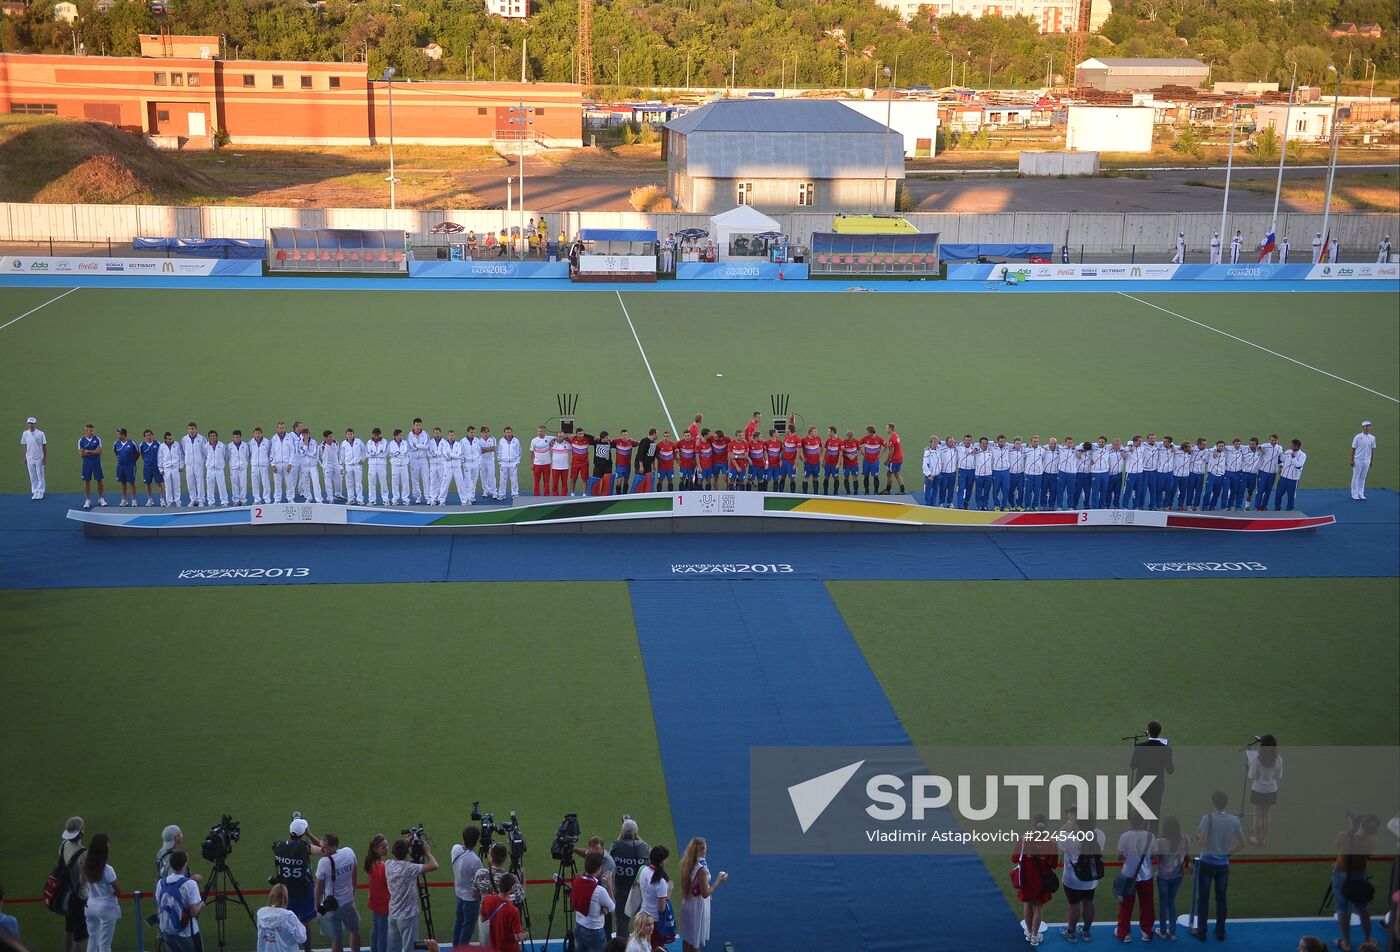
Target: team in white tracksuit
point(192, 452)
point(471, 463)
point(508, 459)
point(453, 477)
point(172, 459)
point(419, 443)
point(352, 467)
point(437, 468)
point(215, 460)
point(239, 454)
point(304, 462)
point(328, 458)
point(282, 455)
point(377, 455)
point(399, 453)
point(260, 459)
point(488, 464)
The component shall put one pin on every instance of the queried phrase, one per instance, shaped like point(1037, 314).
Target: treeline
point(648, 43)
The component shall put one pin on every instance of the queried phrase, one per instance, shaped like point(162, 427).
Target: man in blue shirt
point(150, 468)
point(1218, 837)
point(90, 451)
point(125, 452)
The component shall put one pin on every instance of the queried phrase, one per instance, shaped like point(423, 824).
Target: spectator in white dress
point(101, 909)
point(695, 901)
point(1265, 768)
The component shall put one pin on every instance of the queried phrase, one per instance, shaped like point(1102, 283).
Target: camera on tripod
point(510, 832)
point(219, 843)
point(416, 839)
point(566, 838)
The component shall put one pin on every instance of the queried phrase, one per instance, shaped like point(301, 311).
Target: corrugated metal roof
point(1130, 63)
point(774, 115)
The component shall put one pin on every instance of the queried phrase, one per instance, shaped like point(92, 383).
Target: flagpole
point(1229, 168)
point(1332, 167)
point(1283, 150)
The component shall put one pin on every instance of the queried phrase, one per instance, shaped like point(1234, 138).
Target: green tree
point(1252, 63)
point(1264, 145)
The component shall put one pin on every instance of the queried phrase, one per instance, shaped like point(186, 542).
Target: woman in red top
point(1035, 863)
point(378, 893)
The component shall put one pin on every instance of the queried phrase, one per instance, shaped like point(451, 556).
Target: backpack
point(58, 888)
point(172, 908)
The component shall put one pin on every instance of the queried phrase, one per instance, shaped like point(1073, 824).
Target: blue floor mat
point(733, 665)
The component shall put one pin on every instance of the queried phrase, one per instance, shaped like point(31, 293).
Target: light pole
point(1332, 164)
point(733, 54)
point(1283, 147)
point(523, 121)
point(889, 111)
point(618, 51)
point(1229, 167)
point(389, 81)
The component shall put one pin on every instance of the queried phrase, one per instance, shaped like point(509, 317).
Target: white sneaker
point(87, 504)
point(164, 504)
point(150, 503)
point(102, 502)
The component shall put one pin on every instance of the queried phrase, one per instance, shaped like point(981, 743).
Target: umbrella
point(692, 233)
point(447, 228)
point(769, 235)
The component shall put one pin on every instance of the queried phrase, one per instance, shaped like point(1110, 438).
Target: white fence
point(1147, 232)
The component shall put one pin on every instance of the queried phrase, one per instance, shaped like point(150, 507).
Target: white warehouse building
point(916, 121)
point(1306, 122)
point(1109, 129)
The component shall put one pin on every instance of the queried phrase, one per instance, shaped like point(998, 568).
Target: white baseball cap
point(31, 420)
point(298, 827)
point(1365, 422)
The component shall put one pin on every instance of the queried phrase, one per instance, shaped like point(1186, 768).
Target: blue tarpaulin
point(617, 234)
point(205, 247)
point(973, 252)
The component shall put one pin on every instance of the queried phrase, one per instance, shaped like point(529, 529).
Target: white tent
point(744, 220)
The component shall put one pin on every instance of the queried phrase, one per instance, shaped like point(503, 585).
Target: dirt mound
point(62, 161)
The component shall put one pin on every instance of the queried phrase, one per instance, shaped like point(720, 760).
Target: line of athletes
point(584, 463)
point(1138, 474)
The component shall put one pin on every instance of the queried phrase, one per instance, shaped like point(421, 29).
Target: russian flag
point(1268, 247)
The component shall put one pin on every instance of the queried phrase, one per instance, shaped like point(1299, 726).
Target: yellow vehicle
point(872, 225)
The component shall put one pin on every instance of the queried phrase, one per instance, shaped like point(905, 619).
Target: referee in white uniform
point(1363, 450)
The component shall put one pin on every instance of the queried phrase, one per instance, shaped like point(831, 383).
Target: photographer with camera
point(465, 866)
point(178, 904)
point(402, 877)
point(592, 903)
point(336, 878)
point(1351, 888)
point(629, 854)
point(172, 838)
point(292, 858)
point(500, 913)
point(488, 879)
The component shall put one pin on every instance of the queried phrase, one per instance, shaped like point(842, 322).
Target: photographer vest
point(629, 856)
point(293, 861)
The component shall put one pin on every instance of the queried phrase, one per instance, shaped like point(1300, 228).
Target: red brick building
point(183, 100)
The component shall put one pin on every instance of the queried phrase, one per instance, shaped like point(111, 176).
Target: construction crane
point(1074, 48)
point(585, 42)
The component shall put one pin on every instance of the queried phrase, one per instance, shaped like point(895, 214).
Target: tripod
point(518, 872)
point(425, 902)
point(220, 878)
point(563, 886)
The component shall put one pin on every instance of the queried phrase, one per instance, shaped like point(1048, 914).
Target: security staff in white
point(260, 458)
point(1236, 243)
point(1215, 248)
point(192, 446)
point(471, 463)
point(419, 443)
point(1283, 250)
point(36, 456)
point(488, 464)
point(1333, 247)
point(1180, 256)
point(352, 466)
point(455, 477)
point(238, 454)
point(1363, 451)
point(304, 459)
point(377, 453)
point(282, 456)
point(508, 459)
point(1383, 252)
point(398, 457)
point(437, 469)
point(215, 460)
point(1317, 248)
point(171, 459)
